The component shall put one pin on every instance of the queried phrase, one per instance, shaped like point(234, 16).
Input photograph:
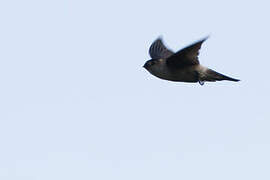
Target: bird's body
point(182, 66)
point(188, 74)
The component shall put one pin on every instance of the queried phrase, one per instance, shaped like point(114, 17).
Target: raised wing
point(187, 56)
point(158, 50)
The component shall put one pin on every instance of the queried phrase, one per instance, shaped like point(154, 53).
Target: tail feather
point(212, 75)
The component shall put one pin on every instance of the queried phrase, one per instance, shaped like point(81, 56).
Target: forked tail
point(212, 75)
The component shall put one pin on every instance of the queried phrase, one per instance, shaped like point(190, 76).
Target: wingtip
point(202, 40)
point(205, 38)
point(160, 37)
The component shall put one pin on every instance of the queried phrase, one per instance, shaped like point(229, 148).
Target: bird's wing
point(158, 50)
point(186, 57)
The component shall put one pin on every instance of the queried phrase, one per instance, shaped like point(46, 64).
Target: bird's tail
point(212, 75)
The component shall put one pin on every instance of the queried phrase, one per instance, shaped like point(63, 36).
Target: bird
point(182, 66)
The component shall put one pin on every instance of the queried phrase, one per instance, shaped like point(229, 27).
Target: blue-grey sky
point(75, 102)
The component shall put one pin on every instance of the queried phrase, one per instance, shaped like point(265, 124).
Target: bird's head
point(150, 63)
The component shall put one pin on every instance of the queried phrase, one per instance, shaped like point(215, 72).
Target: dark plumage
point(182, 66)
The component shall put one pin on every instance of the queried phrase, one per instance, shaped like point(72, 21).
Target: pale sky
point(75, 102)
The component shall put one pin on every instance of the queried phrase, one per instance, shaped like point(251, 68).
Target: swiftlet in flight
point(182, 66)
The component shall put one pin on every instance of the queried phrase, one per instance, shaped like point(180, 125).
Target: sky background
point(75, 102)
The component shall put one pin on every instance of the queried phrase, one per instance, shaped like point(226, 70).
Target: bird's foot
point(201, 82)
